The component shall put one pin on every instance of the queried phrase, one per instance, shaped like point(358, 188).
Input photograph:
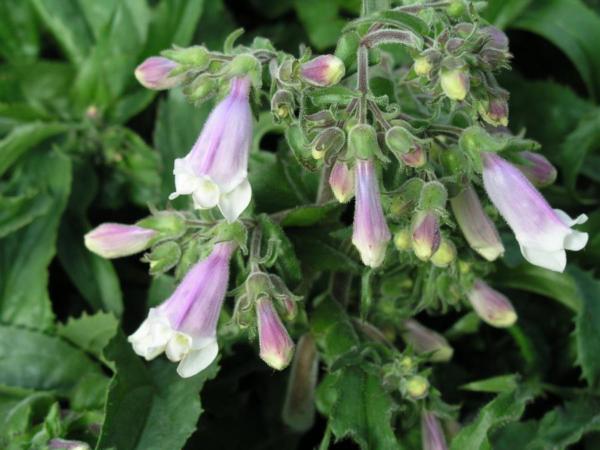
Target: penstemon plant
point(406, 118)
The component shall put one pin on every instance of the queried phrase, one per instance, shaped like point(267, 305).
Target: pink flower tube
point(185, 325)
point(370, 233)
point(276, 346)
point(491, 306)
point(154, 73)
point(543, 233)
point(432, 434)
point(215, 172)
point(341, 181)
point(114, 240)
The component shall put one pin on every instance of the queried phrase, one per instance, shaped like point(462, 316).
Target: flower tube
point(370, 233)
point(276, 346)
point(215, 171)
point(538, 169)
point(426, 236)
point(543, 233)
point(431, 431)
point(114, 240)
point(341, 181)
point(477, 228)
point(154, 73)
point(185, 325)
point(491, 306)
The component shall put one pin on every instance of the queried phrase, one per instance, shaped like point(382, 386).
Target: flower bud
point(282, 104)
point(454, 79)
point(537, 169)
point(495, 110)
point(276, 346)
point(417, 387)
point(331, 140)
point(426, 341)
point(402, 239)
point(416, 158)
point(444, 255)
point(456, 8)
point(425, 234)
point(491, 306)
point(496, 38)
point(362, 141)
point(114, 240)
point(477, 228)
point(341, 181)
point(299, 407)
point(154, 73)
point(323, 71)
point(399, 140)
point(431, 431)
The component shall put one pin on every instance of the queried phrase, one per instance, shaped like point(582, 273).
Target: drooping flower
point(215, 171)
point(426, 236)
point(425, 340)
point(276, 346)
point(477, 228)
point(538, 169)
point(432, 434)
point(114, 240)
point(155, 73)
point(185, 325)
point(370, 233)
point(491, 306)
point(543, 233)
point(322, 71)
point(341, 181)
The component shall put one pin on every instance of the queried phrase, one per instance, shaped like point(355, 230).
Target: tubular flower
point(215, 171)
point(185, 325)
point(276, 346)
point(426, 236)
point(491, 306)
point(543, 233)
point(370, 233)
point(431, 431)
point(424, 340)
point(154, 73)
point(341, 181)
point(477, 228)
point(114, 240)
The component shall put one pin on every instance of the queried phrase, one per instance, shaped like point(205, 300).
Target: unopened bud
point(114, 240)
point(282, 104)
point(402, 239)
point(276, 346)
point(431, 431)
point(454, 79)
point(425, 234)
point(422, 66)
point(456, 8)
point(417, 387)
point(491, 306)
point(445, 254)
point(426, 341)
point(495, 110)
point(496, 38)
point(331, 140)
point(323, 71)
point(341, 181)
point(362, 141)
point(155, 73)
point(537, 169)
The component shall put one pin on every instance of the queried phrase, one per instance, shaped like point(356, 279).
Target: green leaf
point(503, 12)
point(20, 210)
point(25, 137)
point(555, 285)
point(321, 21)
point(19, 410)
point(19, 36)
point(395, 19)
point(149, 407)
point(332, 330)
point(506, 407)
point(320, 252)
point(309, 215)
point(287, 261)
point(587, 331)
point(360, 408)
point(26, 253)
point(173, 23)
point(178, 125)
point(33, 360)
point(572, 27)
point(498, 384)
point(89, 333)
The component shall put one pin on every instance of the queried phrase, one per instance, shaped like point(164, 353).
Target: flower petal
point(186, 180)
point(198, 359)
point(235, 202)
point(555, 260)
point(206, 195)
point(179, 345)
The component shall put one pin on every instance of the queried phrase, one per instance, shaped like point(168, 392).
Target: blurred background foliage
point(82, 143)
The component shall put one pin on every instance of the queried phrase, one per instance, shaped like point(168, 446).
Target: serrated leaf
point(332, 330)
point(587, 330)
point(89, 333)
point(506, 407)
point(149, 407)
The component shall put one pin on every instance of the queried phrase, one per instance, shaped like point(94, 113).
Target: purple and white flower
point(215, 172)
point(185, 325)
point(491, 306)
point(370, 233)
point(543, 233)
point(426, 237)
point(114, 240)
point(155, 73)
point(432, 434)
point(276, 346)
point(477, 228)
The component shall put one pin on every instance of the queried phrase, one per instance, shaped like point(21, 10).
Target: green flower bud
point(444, 255)
point(456, 8)
point(454, 79)
point(402, 239)
point(362, 142)
point(417, 387)
point(422, 66)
